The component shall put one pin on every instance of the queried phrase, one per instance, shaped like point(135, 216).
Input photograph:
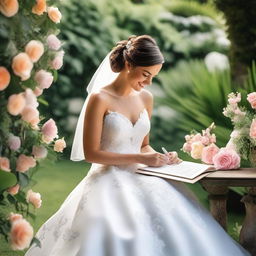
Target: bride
point(114, 211)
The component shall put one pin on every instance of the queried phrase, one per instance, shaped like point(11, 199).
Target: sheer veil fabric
point(102, 77)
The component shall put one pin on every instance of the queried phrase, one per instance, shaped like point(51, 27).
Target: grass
point(57, 180)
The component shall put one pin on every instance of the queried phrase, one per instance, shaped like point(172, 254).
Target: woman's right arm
point(93, 123)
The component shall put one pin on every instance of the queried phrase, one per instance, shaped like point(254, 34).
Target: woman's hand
point(173, 158)
point(154, 159)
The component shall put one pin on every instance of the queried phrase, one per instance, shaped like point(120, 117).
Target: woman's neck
point(121, 86)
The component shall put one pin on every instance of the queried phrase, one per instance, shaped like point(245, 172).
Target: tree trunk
point(241, 24)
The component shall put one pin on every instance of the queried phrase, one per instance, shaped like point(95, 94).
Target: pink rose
point(187, 147)
point(253, 129)
point(49, 131)
point(14, 142)
point(30, 115)
point(15, 216)
point(14, 190)
point(39, 152)
point(57, 62)
point(44, 79)
point(5, 164)
point(37, 91)
point(226, 159)
point(251, 97)
point(53, 42)
point(205, 140)
point(21, 234)
point(208, 153)
point(213, 138)
point(34, 198)
point(16, 103)
point(234, 98)
point(59, 145)
point(24, 163)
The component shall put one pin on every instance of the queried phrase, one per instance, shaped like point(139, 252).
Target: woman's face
point(140, 77)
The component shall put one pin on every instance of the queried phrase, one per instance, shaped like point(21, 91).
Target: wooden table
point(217, 183)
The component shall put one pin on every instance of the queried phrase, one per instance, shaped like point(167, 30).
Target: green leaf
point(7, 179)
point(23, 179)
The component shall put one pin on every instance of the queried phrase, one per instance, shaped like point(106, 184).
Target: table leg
point(247, 236)
point(218, 202)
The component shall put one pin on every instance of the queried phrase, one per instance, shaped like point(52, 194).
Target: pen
point(165, 151)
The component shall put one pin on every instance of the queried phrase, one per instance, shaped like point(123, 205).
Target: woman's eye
point(146, 75)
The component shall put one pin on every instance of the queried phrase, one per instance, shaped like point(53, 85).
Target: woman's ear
point(128, 65)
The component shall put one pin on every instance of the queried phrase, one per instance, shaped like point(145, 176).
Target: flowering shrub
point(202, 146)
point(30, 55)
point(243, 137)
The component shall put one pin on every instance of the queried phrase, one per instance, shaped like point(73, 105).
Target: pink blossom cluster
point(203, 147)
point(21, 233)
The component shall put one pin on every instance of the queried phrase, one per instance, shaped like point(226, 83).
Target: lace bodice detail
point(120, 135)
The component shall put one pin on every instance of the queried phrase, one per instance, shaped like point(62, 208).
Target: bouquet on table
point(243, 137)
point(202, 146)
point(242, 143)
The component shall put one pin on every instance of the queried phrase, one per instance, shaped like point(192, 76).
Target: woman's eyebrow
point(147, 71)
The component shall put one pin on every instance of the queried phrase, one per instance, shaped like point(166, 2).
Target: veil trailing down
point(103, 76)
point(114, 211)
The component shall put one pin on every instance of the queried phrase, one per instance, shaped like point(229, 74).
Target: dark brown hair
point(137, 50)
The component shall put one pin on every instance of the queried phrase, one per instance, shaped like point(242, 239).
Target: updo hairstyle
point(138, 51)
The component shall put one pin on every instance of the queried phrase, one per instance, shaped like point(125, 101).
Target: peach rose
point(9, 7)
point(34, 49)
point(226, 159)
point(57, 62)
point(209, 152)
point(24, 163)
point(30, 115)
point(49, 131)
point(54, 14)
point(15, 216)
point(253, 129)
point(34, 198)
point(53, 42)
point(39, 8)
point(196, 149)
point(39, 152)
point(21, 234)
point(37, 91)
point(251, 97)
point(22, 66)
point(59, 145)
point(4, 78)
point(16, 104)
point(5, 164)
point(14, 142)
point(44, 79)
point(14, 190)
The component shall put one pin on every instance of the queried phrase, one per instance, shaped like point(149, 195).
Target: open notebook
point(185, 171)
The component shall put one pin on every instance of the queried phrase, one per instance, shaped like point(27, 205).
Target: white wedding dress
point(117, 212)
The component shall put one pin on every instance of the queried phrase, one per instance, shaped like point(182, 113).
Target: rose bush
point(30, 55)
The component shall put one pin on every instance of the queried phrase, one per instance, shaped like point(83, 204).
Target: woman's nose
point(148, 81)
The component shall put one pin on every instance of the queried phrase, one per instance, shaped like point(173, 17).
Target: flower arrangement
point(202, 146)
point(30, 55)
point(243, 137)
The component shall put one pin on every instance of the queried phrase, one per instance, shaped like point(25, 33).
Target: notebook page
point(184, 169)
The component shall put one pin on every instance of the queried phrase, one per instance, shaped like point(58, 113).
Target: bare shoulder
point(97, 101)
point(147, 97)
